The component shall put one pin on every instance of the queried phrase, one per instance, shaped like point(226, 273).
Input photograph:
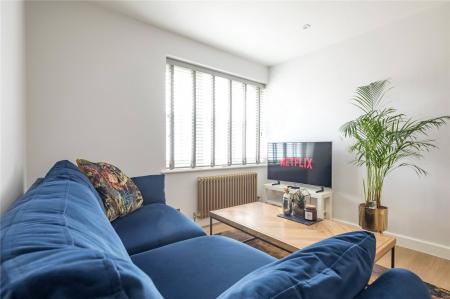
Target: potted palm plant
point(384, 140)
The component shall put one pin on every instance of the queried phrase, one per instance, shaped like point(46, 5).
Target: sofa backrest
point(57, 243)
point(151, 187)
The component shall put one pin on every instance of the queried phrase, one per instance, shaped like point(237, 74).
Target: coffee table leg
point(210, 226)
point(393, 257)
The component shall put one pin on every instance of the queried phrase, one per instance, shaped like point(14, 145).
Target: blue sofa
point(57, 243)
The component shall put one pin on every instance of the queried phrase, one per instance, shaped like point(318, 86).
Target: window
point(213, 118)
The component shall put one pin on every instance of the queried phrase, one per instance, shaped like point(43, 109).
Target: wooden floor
point(431, 269)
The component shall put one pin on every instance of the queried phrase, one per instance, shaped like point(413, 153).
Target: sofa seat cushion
point(57, 243)
point(154, 225)
point(338, 267)
point(199, 268)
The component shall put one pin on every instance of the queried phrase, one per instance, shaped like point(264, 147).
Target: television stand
point(277, 183)
point(323, 200)
point(320, 190)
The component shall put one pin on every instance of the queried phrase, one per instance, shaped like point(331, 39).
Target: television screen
point(300, 162)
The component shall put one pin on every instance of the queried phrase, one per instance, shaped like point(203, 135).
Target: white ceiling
point(268, 32)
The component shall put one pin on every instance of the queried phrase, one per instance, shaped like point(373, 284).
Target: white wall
point(12, 101)
point(96, 83)
point(310, 96)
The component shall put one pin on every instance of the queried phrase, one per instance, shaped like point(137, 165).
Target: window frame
point(170, 165)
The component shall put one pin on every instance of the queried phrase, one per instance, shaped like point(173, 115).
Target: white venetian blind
point(251, 124)
point(237, 121)
point(262, 143)
point(213, 118)
point(168, 115)
point(221, 132)
point(203, 122)
point(183, 99)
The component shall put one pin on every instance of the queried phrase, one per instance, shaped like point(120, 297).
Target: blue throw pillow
point(337, 267)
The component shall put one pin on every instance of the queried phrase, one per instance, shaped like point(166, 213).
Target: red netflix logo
point(296, 162)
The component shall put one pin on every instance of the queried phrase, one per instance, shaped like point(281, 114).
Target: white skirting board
point(435, 249)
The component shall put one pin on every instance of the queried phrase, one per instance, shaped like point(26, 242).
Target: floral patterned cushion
point(119, 193)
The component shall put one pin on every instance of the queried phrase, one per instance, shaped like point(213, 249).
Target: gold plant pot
point(375, 220)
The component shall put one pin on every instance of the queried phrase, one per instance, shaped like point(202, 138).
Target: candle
point(311, 212)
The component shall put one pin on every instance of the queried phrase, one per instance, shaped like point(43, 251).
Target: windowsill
point(181, 170)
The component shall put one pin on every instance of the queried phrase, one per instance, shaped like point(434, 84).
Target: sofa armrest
point(396, 284)
point(152, 188)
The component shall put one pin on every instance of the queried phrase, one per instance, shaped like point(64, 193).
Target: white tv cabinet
point(322, 200)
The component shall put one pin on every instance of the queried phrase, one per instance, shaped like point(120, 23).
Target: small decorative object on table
point(311, 213)
point(287, 202)
point(298, 202)
point(294, 207)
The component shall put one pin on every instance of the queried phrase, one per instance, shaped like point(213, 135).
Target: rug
point(436, 292)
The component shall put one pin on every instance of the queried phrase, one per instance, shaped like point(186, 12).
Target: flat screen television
point(300, 162)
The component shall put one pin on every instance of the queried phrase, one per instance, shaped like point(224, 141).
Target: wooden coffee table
point(261, 221)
